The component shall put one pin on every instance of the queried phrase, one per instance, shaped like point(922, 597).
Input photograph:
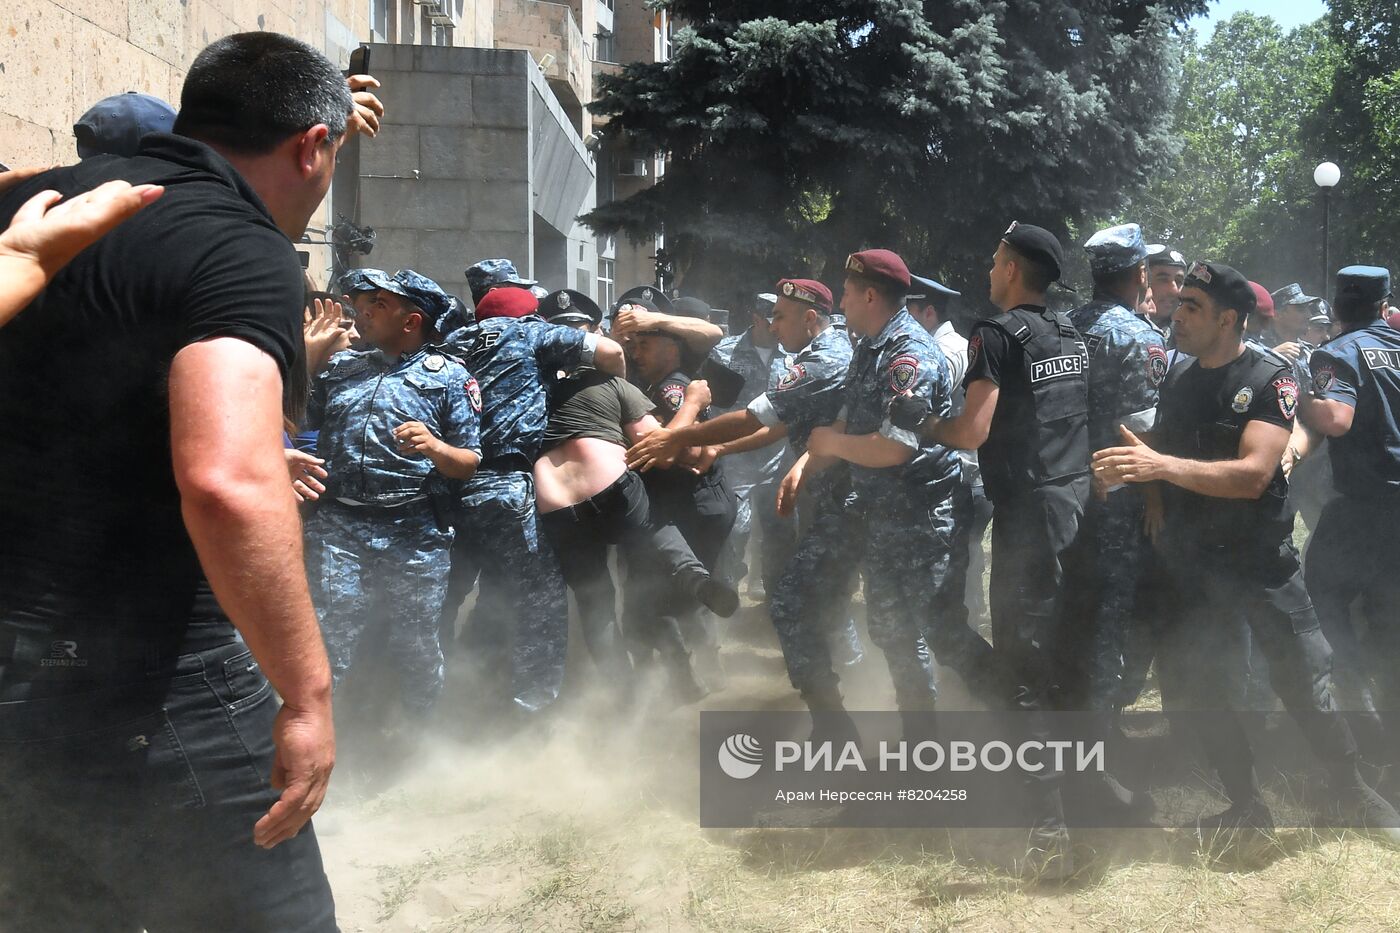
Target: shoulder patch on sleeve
point(795, 374)
point(974, 349)
point(1287, 389)
point(904, 372)
point(1323, 377)
point(474, 393)
point(1157, 364)
point(673, 393)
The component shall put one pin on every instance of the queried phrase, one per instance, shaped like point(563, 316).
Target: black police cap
point(1229, 288)
point(1036, 244)
point(567, 306)
point(646, 296)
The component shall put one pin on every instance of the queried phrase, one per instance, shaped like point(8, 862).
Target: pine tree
point(826, 126)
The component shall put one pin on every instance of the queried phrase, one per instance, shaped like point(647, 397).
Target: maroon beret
point(879, 264)
point(807, 291)
point(506, 301)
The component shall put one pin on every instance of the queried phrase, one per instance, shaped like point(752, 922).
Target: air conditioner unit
point(632, 168)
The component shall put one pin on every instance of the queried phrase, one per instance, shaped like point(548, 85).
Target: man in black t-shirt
point(1222, 426)
point(1026, 414)
point(140, 742)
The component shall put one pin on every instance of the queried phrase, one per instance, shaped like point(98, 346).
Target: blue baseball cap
point(365, 280)
point(424, 293)
point(490, 273)
point(115, 125)
point(456, 317)
point(1115, 249)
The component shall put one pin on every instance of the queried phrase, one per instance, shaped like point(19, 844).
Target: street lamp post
point(1326, 176)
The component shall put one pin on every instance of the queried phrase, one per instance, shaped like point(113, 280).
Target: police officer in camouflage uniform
point(399, 427)
point(898, 526)
point(808, 394)
point(1127, 363)
point(755, 356)
point(1223, 421)
point(1354, 401)
point(522, 602)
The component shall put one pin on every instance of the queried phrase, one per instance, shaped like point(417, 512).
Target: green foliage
point(1259, 109)
point(1358, 126)
point(826, 126)
point(1241, 191)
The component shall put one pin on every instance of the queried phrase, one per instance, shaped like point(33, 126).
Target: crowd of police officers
point(1132, 456)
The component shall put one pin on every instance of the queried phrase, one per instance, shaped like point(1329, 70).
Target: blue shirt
point(515, 360)
point(810, 391)
point(900, 360)
point(1127, 363)
point(1361, 369)
point(739, 354)
point(363, 396)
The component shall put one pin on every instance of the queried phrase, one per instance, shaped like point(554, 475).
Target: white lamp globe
point(1327, 175)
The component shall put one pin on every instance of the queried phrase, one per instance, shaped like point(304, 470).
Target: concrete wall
point(461, 118)
point(59, 57)
point(497, 162)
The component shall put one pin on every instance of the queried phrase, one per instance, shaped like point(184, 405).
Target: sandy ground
point(589, 822)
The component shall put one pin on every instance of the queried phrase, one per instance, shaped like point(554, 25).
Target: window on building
point(606, 50)
point(379, 18)
point(607, 287)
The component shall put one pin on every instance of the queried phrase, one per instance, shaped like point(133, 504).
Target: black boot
point(1357, 805)
point(680, 676)
point(915, 713)
point(830, 721)
point(1049, 858)
point(710, 591)
point(1354, 697)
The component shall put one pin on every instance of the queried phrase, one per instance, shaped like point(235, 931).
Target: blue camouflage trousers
point(1102, 572)
point(902, 543)
point(366, 562)
point(522, 612)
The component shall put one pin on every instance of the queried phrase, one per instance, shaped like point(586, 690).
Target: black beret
point(1228, 287)
point(1037, 244)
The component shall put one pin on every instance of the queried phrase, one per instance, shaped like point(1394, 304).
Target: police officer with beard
point(1223, 422)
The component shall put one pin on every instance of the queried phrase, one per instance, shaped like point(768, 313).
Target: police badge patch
point(434, 363)
point(904, 370)
point(564, 301)
point(1323, 377)
point(974, 347)
point(673, 393)
point(1287, 391)
point(1242, 399)
point(1156, 365)
point(795, 374)
point(474, 393)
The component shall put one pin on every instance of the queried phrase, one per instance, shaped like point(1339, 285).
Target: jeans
point(133, 807)
point(619, 515)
